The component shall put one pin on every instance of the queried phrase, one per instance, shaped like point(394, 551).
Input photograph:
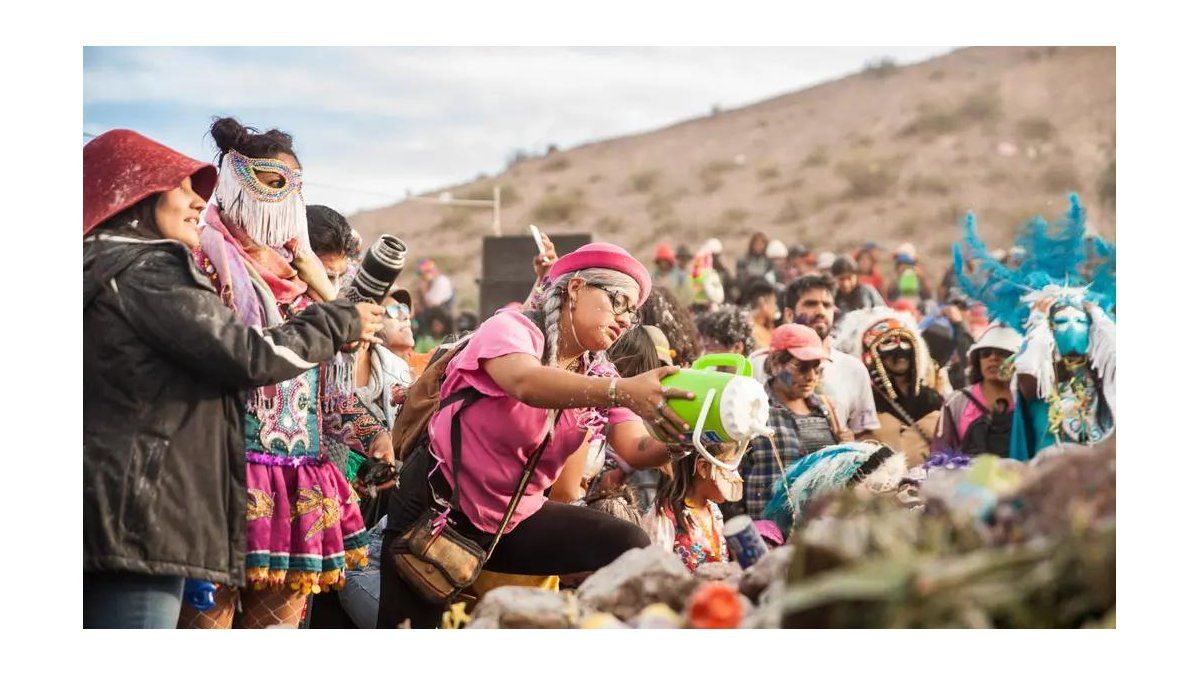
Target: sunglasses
point(806, 367)
point(988, 352)
point(397, 311)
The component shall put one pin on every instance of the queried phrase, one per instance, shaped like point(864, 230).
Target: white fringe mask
point(271, 216)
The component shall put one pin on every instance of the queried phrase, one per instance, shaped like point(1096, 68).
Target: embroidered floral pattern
point(259, 504)
point(314, 500)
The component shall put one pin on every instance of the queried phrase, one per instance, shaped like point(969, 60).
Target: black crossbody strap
point(522, 483)
point(469, 396)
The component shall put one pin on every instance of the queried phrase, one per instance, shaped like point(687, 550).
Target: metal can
point(745, 543)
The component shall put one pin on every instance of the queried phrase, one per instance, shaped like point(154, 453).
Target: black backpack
point(989, 434)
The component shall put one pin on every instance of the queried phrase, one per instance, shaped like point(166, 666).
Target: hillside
point(890, 154)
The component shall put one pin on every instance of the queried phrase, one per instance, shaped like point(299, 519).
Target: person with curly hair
point(726, 329)
point(663, 311)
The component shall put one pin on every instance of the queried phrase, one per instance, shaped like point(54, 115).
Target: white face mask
point(729, 483)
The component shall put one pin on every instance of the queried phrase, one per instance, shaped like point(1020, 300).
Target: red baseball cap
point(800, 341)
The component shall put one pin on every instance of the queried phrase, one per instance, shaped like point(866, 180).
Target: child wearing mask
point(686, 519)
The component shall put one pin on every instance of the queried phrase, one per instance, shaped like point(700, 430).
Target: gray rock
point(773, 566)
point(769, 612)
point(640, 577)
point(729, 572)
point(524, 607)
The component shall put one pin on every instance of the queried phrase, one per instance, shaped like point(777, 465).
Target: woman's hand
point(647, 398)
point(542, 262)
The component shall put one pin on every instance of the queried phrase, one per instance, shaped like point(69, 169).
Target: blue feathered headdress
point(831, 468)
point(1059, 254)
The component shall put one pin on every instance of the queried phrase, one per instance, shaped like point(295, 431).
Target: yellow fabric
point(488, 581)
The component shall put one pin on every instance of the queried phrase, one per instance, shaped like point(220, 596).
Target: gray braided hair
point(552, 303)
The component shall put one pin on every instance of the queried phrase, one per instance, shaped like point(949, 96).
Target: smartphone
point(537, 238)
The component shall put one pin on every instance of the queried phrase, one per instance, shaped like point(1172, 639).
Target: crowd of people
point(260, 450)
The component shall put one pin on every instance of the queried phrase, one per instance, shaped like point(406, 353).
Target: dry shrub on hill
point(867, 178)
point(558, 163)
point(768, 172)
point(1035, 129)
point(983, 105)
point(710, 174)
point(558, 208)
point(644, 181)
point(1106, 186)
point(789, 213)
point(1060, 177)
point(818, 156)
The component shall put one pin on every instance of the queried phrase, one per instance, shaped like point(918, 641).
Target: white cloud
point(420, 118)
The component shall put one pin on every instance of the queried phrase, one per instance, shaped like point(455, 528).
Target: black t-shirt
point(917, 406)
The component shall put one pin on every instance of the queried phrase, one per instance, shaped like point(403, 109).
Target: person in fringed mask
point(908, 407)
point(164, 364)
point(303, 525)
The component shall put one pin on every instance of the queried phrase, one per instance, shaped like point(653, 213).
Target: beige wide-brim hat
point(661, 345)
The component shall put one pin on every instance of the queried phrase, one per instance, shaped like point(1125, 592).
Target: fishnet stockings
point(260, 609)
point(272, 608)
point(219, 616)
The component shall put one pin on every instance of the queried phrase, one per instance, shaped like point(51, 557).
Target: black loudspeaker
point(508, 268)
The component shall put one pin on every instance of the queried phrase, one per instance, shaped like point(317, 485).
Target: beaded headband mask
point(272, 216)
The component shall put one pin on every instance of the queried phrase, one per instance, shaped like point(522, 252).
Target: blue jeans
point(125, 600)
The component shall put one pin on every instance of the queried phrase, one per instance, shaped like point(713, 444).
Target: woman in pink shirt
point(531, 370)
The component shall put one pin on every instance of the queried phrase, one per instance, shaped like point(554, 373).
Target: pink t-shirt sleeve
point(507, 332)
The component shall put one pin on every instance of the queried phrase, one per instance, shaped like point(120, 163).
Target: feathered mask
point(1060, 259)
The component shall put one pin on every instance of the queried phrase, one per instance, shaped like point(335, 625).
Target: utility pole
point(447, 199)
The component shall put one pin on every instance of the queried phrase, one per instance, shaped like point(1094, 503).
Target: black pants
point(557, 539)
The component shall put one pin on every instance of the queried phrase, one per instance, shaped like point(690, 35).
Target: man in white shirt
point(809, 301)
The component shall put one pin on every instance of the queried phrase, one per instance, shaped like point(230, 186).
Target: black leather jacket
point(164, 367)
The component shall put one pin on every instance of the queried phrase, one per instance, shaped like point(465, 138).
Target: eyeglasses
point(620, 303)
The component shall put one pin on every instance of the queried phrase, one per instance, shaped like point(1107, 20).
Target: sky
point(372, 124)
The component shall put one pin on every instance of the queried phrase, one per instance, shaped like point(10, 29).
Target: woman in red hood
point(164, 363)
